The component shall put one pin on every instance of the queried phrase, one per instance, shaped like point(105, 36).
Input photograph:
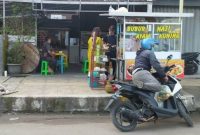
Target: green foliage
point(22, 21)
point(21, 8)
point(15, 54)
point(5, 50)
point(21, 24)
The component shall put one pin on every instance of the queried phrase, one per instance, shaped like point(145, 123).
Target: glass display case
point(166, 28)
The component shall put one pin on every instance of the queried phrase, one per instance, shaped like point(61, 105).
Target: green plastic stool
point(85, 66)
point(44, 68)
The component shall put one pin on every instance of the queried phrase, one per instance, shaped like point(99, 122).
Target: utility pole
point(150, 6)
point(181, 5)
point(4, 19)
point(4, 35)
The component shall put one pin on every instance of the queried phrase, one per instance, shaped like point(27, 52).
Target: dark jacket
point(46, 49)
point(146, 59)
point(111, 40)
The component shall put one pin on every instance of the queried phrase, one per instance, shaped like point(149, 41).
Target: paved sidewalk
point(52, 86)
point(65, 86)
point(3, 79)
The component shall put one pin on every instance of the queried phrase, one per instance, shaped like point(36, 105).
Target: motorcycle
point(191, 62)
point(131, 105)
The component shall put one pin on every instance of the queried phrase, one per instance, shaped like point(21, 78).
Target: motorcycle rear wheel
point(118, 120)
point(184, 114)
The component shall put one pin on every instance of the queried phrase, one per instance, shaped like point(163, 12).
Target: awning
point(148, 14)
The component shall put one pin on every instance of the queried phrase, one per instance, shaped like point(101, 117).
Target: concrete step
point(53, 104)
point(69, 104)
point(193, 97)
point(70, 97)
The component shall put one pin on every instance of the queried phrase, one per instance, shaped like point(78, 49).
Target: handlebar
point(169, 68)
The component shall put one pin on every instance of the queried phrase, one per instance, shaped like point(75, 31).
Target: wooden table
point(65, 58)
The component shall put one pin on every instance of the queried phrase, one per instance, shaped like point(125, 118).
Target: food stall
point(132, 27)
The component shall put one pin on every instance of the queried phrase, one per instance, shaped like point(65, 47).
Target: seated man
point(49, 55)
point(144, 61)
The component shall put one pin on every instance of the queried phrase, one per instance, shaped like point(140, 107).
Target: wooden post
point(4, 38)
point(92, 59)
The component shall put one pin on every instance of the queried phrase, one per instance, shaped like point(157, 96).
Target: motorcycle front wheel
point(121, 122)
point(183, 113)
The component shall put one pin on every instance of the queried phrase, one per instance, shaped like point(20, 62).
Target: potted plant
point(21, 28)
point(15, 58)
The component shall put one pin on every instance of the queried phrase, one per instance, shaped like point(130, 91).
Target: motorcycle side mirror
point(169, 57)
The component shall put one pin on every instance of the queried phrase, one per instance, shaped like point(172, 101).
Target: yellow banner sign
point(163, 28)
point(169, 36)
point(163, 31)
point(167, 32)
point(143, 36)
point(136, 29)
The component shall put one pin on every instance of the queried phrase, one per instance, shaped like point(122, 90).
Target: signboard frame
point(123, 19)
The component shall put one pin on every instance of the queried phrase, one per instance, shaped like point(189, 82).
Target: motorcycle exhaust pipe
point(129, 114)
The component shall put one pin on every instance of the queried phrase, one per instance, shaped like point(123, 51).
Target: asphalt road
point(87, 124)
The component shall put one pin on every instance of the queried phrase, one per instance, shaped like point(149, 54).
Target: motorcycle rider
point(145, 60)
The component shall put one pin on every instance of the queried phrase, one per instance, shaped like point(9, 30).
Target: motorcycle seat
point(190, 55)
point(129, 86)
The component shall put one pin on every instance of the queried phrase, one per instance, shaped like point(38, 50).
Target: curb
point(66, 104)
point(194, 93)
point(53, 104)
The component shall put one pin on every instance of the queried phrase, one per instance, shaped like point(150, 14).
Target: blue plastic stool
point(60, 64)
point(94, 83)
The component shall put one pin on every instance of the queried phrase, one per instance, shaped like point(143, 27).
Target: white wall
point(74, 54)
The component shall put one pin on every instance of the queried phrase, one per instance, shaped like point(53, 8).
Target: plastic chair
point(85, 66)
point(60, 64)
point(66, 62)
point(44, 68)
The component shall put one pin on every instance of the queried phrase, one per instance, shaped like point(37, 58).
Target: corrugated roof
point(191, 27)
point(176, 2)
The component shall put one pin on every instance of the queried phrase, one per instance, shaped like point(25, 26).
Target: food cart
point(132, 27)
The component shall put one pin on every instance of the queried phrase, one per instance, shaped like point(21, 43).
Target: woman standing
point(94, 47)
